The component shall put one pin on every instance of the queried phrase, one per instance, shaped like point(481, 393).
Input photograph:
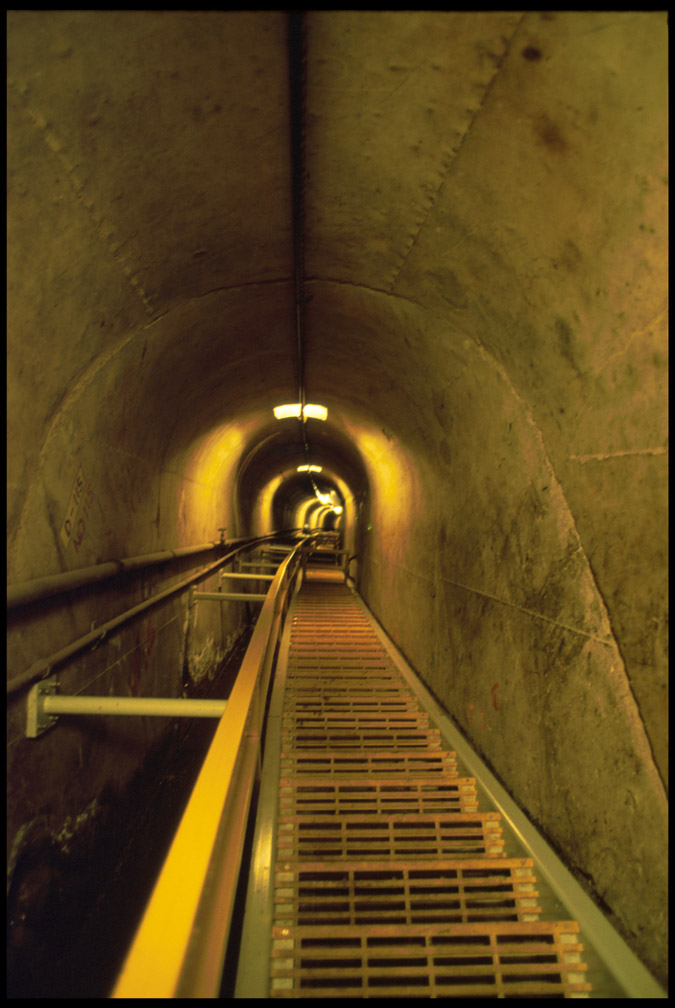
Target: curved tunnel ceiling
point(278, 451)
point(484, 294)
point(430, 251)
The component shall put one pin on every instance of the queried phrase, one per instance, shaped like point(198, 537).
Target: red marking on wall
point(495, 698)
point(150, 635)
point(135, 674)
point(79, 507)
point(141, 658)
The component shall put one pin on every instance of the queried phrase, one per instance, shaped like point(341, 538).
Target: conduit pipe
point(37, 589)
point(123, 706)
point(40, 669)
point(44, 705)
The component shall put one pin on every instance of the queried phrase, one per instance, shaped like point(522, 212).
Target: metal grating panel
point(420, 836)
point(358, 893)
point(355, 765)
point(495, 960)
point(390, 881)
point(363, 740)
point(377, 796)
point(300, 702)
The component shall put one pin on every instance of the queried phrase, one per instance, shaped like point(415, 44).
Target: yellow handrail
point(180, 945)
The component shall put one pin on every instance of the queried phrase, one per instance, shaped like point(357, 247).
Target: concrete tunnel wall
point(485, 287)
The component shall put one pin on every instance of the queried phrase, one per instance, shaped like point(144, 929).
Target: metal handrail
point(27, 592)
point(37, 589)
point(195, 892)
point(44, 666)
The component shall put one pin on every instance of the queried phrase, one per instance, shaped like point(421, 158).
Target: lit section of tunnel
point(484, 297)
point(274, 492)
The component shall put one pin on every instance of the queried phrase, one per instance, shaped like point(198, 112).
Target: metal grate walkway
point(390, 877)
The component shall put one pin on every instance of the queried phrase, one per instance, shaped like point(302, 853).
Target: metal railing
point(45, 704)
point(179, 949)
point(23, 594)
point(38, 589)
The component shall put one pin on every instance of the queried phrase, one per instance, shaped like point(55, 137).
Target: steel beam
point(247, 577)
point(45, 704)
point(227, 597)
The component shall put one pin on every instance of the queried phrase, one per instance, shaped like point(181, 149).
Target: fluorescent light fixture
point(324, 498)
point(337, 509)
point(315, 412)
point(281, 412)
point(292, 410)
point(309, 468)
point(311, 411)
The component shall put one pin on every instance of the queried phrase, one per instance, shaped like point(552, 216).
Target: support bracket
point(37, 720)
point(228, 597)
point(45, 704)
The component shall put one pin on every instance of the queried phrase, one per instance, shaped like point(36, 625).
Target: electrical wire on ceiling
point(296, 73)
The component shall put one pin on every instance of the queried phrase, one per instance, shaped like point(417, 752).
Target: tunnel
point(449, 231)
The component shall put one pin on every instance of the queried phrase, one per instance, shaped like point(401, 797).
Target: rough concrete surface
point(484, 302)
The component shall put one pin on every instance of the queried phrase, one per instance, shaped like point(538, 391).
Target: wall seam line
point(456, 154)
point(78, 187)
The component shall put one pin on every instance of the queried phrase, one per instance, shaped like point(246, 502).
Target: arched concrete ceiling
point(281, 448)
point(267, 472)
point(485, 306)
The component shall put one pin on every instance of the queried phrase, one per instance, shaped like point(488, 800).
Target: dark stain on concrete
point(532, 54)
point(565, 342)
point(73, 904)
point(450, 289)
point(570, 258)
point(549, 134)
point(438, 403)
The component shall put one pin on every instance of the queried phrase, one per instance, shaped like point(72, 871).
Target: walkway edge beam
point(618, 957)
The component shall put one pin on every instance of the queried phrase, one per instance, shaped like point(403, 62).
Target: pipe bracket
point(37, 720)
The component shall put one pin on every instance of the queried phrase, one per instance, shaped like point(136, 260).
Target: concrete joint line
point(370, 290)
point(604, 456)
point(531, 612)
point(615, 356)
point(505, 602)
point(446, 168)
point(105, 235)
point(78, 387)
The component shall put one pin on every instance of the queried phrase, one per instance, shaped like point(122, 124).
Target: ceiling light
point(309, 468)
point(281, 412)
point(315, 412)
point(311, 411)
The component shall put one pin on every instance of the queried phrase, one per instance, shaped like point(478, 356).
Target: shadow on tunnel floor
point(72, 913)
